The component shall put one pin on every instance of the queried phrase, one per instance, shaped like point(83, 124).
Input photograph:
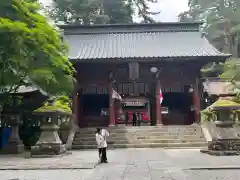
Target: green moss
point(209, 114)
point(61, 104)
point(224, 103)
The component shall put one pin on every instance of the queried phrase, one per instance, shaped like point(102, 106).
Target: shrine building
point(122, 69)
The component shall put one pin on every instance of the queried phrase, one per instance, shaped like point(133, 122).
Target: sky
point(169, 9)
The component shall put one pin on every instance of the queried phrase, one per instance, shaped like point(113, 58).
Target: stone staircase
point(144, 137)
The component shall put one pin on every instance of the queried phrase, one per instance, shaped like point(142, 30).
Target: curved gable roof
point(160, 40)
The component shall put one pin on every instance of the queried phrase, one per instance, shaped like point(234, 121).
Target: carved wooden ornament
point(133, 70)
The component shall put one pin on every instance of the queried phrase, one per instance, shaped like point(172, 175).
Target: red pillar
point(74, 107)
point(196, 101)
point(81, 120)
point(111, 105)
point(158, 104)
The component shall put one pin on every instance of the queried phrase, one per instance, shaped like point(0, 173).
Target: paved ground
point(124, 164)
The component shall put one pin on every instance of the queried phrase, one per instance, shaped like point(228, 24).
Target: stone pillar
point(49, 142)
point(14, 144)
point(158, 104)
point(111, 105)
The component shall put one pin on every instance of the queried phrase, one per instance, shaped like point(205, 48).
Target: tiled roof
point(149, 42)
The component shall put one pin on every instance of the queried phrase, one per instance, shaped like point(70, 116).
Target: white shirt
point(102, 138)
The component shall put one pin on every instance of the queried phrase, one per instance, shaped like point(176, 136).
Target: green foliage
point(231, 69)
point(212, 69)
point(62, 104)
point(32, 49)
point(29, 134)
point(207, 115)
point(223, 31)
point(222, 22)
point(100, 12)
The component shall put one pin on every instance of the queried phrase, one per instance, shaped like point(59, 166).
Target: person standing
point(134, 119)
point(101, 139)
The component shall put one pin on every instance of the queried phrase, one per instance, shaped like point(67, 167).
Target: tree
point(32, 51)
point(222, 22)
point(100, 11)
point(223, 29)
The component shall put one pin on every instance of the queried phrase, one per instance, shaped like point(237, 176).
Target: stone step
point(141, 129)
point(143, 132)
point(122, 137)
point(135, 141)
point(144, 137)
point(199, 145)
point(147, 134)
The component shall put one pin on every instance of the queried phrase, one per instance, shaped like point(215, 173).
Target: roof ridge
point(130, 28)
point(128, 32)
point(158, 24)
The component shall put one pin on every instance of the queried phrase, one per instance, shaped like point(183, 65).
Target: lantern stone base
point(49, 142)
point(225, 139)
point(13, 147)
point(221, 153)
point(48, 149)
point(14, 144)
point(223, 147)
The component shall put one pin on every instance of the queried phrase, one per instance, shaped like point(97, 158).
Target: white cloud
point(169, 9)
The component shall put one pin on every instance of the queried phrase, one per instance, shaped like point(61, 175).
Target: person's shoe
point(105, 162)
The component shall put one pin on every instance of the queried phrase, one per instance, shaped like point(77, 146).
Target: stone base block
point(221, 153)
point(13, 147)
point(48, 149)
point(224, 145)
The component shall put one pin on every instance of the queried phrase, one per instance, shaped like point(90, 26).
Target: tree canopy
point(31, 50)
point(222, 27)
point(101, 11)
point(222, 22)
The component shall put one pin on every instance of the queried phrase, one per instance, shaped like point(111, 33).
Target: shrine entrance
point(177, 108)
point(93, 107)
point(138, 105)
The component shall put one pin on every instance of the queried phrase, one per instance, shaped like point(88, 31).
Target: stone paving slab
point(76, 160)
point(125, 164)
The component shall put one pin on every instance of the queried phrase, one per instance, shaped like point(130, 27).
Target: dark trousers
point(134, 122)
point(102, 152)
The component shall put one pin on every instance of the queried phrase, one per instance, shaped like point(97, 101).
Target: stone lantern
point(49, 142)
point(224, 134)
point(14, 144)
